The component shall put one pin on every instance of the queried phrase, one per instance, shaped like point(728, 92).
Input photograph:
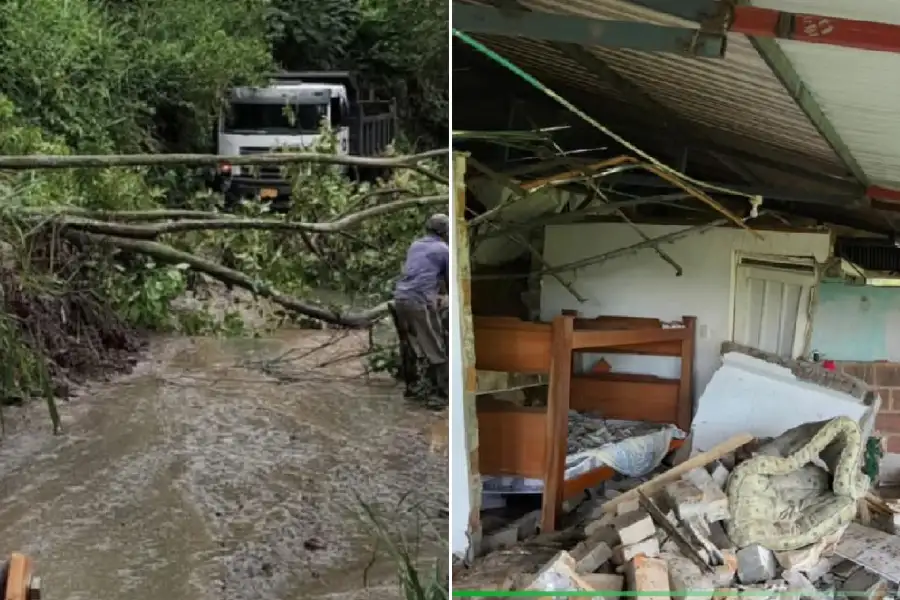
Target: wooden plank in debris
point(700, 460)
point(874, 550)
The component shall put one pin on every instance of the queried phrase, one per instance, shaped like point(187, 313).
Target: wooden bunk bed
point(532, 442)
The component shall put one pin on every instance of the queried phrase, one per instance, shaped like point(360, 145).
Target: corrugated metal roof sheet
point(856, 89)
point(738, 94)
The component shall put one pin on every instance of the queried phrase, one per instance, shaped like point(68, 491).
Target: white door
point(772, 302)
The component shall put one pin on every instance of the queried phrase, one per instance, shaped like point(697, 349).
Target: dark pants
point(423, 332)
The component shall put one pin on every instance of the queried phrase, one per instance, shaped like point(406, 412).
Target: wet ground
point(204, 475)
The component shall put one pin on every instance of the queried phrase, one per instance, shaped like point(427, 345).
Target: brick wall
point(884, 377)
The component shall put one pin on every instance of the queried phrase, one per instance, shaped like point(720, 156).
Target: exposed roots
point(75, 332)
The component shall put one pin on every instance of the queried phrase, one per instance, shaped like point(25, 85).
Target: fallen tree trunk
point(101, 161)
point(148, 232)
point(169, 255)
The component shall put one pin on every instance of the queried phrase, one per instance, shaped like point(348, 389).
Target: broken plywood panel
point(875, 550)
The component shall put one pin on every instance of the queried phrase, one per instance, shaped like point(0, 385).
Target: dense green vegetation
point(127, 76)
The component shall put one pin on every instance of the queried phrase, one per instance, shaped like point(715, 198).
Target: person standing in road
point(419, 299)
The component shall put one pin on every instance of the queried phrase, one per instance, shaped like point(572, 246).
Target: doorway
point(772, 303)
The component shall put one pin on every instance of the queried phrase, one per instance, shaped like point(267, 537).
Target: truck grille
point(263, 172)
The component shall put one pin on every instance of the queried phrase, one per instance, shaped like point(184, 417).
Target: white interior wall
point(642, 285)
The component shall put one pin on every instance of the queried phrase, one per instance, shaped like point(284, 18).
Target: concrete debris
point(501, 539)
point(633, 527)
point(755, 564)
point(625, 552)
point(628, 506)
point(685, 576)
point(686, 498)
point(604, 522)
point(528, 524)
point(673, 544)
point(865, 584)
point(799, 585)
point(714, 501)
point(595, 558)
point(845, 568)
point(559, 575)
point(718, 536)
point(719, 473)
point(605, 581)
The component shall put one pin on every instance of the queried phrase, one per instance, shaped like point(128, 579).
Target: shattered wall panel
point(764, 395)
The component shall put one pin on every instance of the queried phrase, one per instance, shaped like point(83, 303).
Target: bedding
point(632, 448)
point(801, 488)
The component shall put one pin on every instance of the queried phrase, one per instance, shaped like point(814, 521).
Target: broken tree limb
point(592, 185)
point(118, 215)
point(148, 232)
point(517, 192)
point(167, 254)
point(100, 161)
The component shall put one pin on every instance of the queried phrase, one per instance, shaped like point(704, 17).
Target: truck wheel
point(232, 201)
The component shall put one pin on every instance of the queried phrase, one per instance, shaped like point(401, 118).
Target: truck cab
point(287, 115)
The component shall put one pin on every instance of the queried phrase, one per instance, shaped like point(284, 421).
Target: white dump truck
point(288, 114)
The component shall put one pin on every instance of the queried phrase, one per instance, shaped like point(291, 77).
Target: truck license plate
point(268, 193)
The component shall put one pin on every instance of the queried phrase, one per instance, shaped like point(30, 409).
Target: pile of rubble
point(669, 534)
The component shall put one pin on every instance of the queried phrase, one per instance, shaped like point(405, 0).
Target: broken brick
point(634, 527)
point(648, 574)
point(608, 582)
point(627, 506)
point(714, 502)
point(594, 558)
point(685, 576)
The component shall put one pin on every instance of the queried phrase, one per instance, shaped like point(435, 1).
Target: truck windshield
point(275, 118)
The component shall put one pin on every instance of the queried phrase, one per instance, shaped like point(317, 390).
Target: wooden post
point(463, 272)
point(557, 433)
point(685, 390)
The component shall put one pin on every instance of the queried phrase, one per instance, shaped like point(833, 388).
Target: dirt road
point(201, 475)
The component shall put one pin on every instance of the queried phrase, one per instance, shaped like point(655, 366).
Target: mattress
point(633, 448)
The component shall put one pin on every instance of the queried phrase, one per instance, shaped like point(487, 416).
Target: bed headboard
point(513, 345)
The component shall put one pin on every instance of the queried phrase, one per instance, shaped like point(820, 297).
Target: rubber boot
point(438, 376)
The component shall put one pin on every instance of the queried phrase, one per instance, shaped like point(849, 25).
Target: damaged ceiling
point(795, 121)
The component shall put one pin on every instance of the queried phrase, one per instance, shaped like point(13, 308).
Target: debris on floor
point(788, 515)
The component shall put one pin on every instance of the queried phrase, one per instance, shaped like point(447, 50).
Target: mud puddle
point(203, 475)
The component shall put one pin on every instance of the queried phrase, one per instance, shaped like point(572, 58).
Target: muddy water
point(202, 475)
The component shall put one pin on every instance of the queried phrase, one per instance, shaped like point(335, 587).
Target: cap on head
point(438, 224)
